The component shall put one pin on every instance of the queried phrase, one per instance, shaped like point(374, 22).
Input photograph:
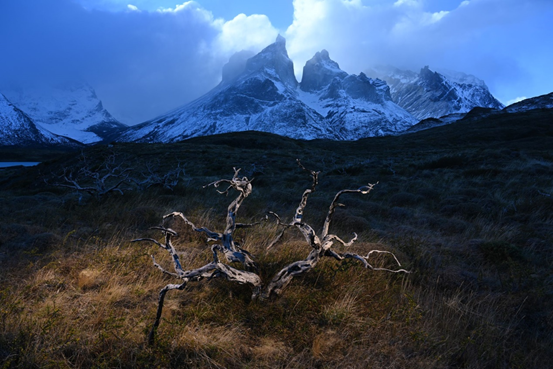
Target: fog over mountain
point(17, 129)
point(429, 94)
point(145, 62)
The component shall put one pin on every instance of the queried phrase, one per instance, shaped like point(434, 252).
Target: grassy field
point(467, 207)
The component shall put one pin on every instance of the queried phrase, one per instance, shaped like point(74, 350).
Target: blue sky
point(146, 57)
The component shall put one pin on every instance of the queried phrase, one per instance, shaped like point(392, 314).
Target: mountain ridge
point(18, 129)
point(430, 94)
point(261, 93)
point(72, 110)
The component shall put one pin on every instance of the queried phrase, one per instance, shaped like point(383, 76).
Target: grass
point(468, 212)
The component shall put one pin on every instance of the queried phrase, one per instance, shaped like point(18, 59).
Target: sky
point(147, 57)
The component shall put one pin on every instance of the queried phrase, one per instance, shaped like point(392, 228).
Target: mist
point(146, 63)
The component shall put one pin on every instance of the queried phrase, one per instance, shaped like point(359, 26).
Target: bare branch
point(163, 270)
point(321, 246)
point(225, 244)
point(362, 190)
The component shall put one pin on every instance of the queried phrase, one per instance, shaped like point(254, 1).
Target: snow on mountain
point(261, 97)
point(430, 94)
point(538, 102)
point(17, 129)
point(355, 106)
point(71, 110)
point(261, 93)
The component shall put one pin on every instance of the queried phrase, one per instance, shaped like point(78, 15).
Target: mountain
point(72, 110)
point(354, 106)
point(538, 102)
point(17, 129)
point(429, 94)
point(261, 93)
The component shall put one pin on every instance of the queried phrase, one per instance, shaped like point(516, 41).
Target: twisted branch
point(321, 246)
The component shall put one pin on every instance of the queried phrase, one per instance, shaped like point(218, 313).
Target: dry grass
point(473, 224)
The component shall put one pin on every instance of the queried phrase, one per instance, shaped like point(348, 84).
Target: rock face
point(355, 106)
point(71, 110)
point(261, 93)
point(429, 94)
point(18, 129)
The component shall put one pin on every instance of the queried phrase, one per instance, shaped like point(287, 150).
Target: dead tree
point(115, 175)
point(97, 181)
point(224, 243)
point(151, 177)
point(320, 245)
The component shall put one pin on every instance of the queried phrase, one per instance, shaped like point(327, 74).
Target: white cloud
point(406, 3)
point(141, 63)
point(245, 33)
point(488, 38)
point(515, 100)
point(144, 63)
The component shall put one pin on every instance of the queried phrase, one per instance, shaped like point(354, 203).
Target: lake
point(7, 164)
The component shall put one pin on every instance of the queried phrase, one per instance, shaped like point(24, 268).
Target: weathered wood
point(321, 246)
point(224, 243)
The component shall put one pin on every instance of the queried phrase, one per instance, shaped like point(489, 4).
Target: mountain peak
point(280, 40)
point(69, 109)
point(430, 94)
point(319, 71)
point(18, 129)
point(274, 61)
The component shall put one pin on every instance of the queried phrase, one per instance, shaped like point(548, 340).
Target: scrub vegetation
point(468, 208)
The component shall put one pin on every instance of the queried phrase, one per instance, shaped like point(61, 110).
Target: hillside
point(467, 207)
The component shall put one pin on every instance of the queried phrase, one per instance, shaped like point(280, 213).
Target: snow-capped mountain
point(355, 106)
point(261, 93)
point(429, 94)
point(71, 110)
point(17, 129)
point(538, 102)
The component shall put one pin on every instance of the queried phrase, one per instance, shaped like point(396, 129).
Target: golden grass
point(76, 293)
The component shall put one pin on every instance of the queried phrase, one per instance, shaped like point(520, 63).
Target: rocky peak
point(319, 72)
point(364, 88)
point(274, 60)
point(431, 80)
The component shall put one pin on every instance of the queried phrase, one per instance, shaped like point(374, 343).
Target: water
point(7, 164)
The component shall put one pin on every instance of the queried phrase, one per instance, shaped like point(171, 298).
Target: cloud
point(498, 41)
point(515, 100)
point(245, 33)
point(142, 64)
point(145, 63)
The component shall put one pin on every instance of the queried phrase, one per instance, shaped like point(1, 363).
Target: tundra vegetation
point(467, 208)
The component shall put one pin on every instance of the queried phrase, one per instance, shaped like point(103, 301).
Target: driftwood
point(224, 243)
point(320, 245)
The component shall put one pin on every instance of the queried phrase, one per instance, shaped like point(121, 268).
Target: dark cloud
point(141, 63)
point(502, 42)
